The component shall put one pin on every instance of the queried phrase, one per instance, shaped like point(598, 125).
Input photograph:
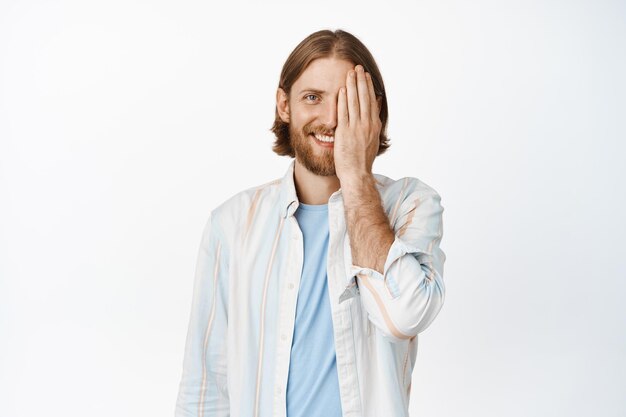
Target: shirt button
point(278, 390)
point(283, 336)
point(290, 286)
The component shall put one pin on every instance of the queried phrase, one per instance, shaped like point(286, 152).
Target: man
point(310, 290)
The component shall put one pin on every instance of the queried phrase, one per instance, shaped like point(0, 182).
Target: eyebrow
point(312, 90)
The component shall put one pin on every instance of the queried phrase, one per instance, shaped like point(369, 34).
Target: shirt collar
point(288, 194)
point(288, 197)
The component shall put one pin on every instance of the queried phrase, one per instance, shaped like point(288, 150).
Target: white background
point(123, 123)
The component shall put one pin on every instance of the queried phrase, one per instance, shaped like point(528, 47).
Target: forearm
point(368, 226)
point(399, 272)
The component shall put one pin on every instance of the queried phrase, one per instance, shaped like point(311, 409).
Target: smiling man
point(310, 290)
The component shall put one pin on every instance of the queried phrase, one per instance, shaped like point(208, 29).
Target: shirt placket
point(342, 328)
point(294, 257)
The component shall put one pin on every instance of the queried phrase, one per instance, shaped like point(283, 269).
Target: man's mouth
point(323, 139)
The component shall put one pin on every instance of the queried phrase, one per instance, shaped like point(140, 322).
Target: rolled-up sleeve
point(408, 295)
point(203, 386)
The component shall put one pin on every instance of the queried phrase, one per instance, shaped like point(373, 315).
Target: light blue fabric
point(313, 385)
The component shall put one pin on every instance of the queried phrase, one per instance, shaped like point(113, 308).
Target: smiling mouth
point(323, 139)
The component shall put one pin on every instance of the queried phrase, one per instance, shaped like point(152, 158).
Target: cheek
point(302, 119)
point(304, 112)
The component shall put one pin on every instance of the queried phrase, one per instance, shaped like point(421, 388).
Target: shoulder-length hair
point(325, 44)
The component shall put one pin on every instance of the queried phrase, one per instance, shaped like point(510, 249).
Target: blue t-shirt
point(313, 385)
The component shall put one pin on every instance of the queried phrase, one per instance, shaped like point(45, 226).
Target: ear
point(282, 105)
point(379, 100)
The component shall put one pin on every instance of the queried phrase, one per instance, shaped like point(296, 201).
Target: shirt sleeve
point(403, 300)
point(203, 386)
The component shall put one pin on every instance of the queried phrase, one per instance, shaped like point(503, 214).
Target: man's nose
point(330, 115)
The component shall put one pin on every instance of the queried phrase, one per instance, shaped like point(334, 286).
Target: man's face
point(313, 109)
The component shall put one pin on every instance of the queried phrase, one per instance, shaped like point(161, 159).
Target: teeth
point(324, 138)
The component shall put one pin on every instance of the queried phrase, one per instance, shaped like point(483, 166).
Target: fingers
point(360, 99)
point(363, 93)
point(374, 112)
point(352, 97)
point(343, 118)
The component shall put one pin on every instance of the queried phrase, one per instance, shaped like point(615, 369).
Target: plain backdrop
point(123, 123)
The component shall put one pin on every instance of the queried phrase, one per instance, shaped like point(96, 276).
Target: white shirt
point(246, 284)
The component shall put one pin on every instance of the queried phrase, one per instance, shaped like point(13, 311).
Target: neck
point(314, 189)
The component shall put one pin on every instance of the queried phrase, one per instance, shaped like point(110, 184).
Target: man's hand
point(358, 127)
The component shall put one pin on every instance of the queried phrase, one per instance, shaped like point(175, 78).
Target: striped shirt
point(237, 351)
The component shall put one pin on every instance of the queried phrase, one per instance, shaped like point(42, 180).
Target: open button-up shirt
point(237, 351)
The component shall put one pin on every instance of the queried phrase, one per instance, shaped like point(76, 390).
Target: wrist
point(356, 179)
